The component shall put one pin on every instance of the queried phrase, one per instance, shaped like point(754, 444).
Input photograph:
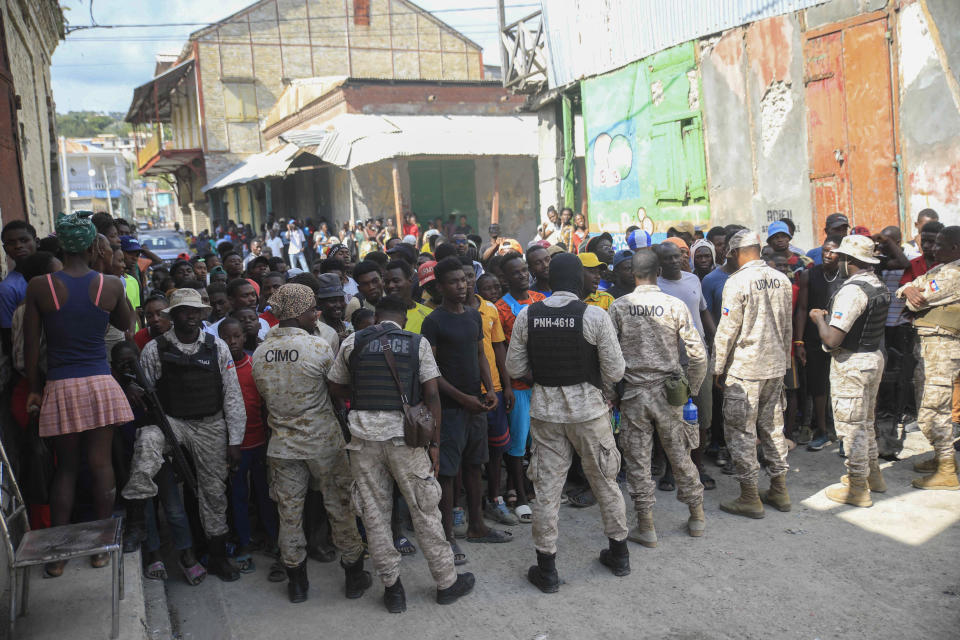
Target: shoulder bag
point(418, 423)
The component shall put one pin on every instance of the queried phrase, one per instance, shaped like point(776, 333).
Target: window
point(240, 101)
point(361, 13)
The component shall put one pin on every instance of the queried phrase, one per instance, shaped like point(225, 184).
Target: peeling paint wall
point(930, 109)
point(755, 126)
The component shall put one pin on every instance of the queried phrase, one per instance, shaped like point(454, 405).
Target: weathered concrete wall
point(946, 18)
point(32, 32)
point(838, 10)
point(929, 113)
point(755, 125)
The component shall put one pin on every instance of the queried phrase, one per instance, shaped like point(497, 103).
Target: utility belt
point(945, 318)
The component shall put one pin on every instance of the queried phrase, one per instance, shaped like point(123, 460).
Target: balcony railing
point(523, 53)
point(153, 146)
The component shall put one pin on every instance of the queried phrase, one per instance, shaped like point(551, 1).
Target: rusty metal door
point(13, 203)
point(851, 138)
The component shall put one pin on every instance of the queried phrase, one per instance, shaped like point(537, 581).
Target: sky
point(97, 69)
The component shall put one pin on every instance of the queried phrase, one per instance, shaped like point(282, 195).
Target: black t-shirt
point(455, 337)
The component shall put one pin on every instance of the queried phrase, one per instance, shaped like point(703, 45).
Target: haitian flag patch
point(726, 311)
point(934, 286)
point(837, 315)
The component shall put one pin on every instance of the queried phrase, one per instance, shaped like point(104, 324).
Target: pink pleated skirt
point(73, 405)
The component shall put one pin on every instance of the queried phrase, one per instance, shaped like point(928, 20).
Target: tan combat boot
point(857, 493)
point(777, 495)
point(945, 477)
point(697, 521)
point(926, 466)
point(748, 504)
point(875, 480)
point(644, 533)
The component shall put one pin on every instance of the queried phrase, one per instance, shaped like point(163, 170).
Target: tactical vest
point(946, 317)
point(866, 334)
point(559, 354)
point(190, 387)
point(372, 387)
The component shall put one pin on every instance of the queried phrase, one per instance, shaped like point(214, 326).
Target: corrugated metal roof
point(589, 37)
point(354, 140)
point(261, 165)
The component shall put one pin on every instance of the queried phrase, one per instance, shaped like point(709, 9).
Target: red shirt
point(918, 267)
point(256, 434)
point(507, 318)
point(142, 337)
point(270, 318)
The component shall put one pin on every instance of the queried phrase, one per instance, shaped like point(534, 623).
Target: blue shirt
point(712, 286)
point(816, 255)
point(13, 290)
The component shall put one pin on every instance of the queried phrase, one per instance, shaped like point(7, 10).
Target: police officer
point(752, 346)
point(306, 445)
point(571, 351)
point(852, 329)
point(378, 455)
point(199, 393)
point(652, 326)
point(935, 297)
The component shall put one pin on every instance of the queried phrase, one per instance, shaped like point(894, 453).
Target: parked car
point(166, 244)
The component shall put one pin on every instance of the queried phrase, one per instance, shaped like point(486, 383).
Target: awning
point(355, 140)
point(142, 107)
point(261, 165)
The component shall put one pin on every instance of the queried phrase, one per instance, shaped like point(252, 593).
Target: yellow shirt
point(415, 317)
point(600, 299)
point(492, 333)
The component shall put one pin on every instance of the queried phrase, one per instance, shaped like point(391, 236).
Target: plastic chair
point(50, 545)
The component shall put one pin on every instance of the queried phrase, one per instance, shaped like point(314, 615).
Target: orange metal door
point(872, 157)
point(850, 125)
point(826, 130)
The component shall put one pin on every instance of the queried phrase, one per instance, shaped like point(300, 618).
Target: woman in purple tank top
point(80, 402)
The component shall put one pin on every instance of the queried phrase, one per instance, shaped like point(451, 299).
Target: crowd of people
point(294, 369)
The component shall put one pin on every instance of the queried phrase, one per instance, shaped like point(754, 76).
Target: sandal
point(156, 571)
point(493, 536)
point(667, 483)
point(459, 557)
point(194, 575)
point(511, 498)
point(99, 560)
point(54, 569)
point(582, 499)
point(404, 546)
point(707, 482)
point(524, 513)
point(278, 572)
point(245, 563)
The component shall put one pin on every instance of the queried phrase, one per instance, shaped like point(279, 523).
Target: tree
point(87, 124)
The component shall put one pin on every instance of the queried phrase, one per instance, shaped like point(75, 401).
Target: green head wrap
point(75, 231)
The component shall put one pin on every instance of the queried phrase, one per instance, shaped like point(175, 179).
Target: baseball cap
point(335, 248)
point(554, 249)
point(742, 238)
point(291, 221)
point(425, 272)
point(591, 260)
point(836, 220)
point(638, 239)
point(684, 226)
point(129, 243)
point(858, 247)
point(509, 244)
point(409, 239)
point(778, 227)
point(622, 256)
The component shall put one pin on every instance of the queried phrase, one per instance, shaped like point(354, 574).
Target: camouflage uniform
point(653, 327)
point(939, 361)
point(752, 347)
point(378, 458)
point(306, 446)
point(855, 380)
point(205, 439)
point(570, 419)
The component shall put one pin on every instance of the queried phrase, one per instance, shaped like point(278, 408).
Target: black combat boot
point(297, 583)
point(219, 564)
point(544, 574)
point(394, 597)
point(461, 587)
point(357, 580)
point(617, 558)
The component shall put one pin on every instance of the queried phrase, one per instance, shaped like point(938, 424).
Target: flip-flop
point(459, 557)
point(524, 513)
point(511, 498)
point(582, 499)
point(707, 482)
point(404, 546)
point(277, 572)
point(666, 484)
point(194, 575)
point(245, 563)
point(493, 536)
point(156, 571)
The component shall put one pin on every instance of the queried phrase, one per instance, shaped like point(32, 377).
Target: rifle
point(156, 409)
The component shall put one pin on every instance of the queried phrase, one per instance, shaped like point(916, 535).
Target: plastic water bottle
point(690, 413)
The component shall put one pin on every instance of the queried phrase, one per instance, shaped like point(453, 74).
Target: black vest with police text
point(190, 387)
point(372, 387)
point(866, 334)
point(559, 354)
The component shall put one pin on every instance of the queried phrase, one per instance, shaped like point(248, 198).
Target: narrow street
point(830, 572)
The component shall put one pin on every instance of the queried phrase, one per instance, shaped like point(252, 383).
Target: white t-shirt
point(296, 241)
point(276, 246)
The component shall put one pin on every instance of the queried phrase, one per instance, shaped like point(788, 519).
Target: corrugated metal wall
point(589, 37)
